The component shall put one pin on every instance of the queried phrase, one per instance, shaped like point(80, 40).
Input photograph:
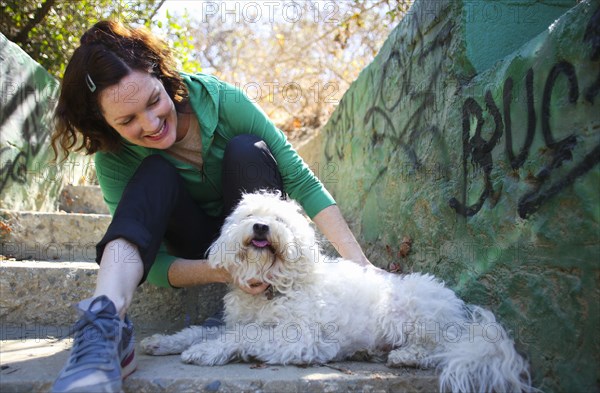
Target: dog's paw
point(406, 357)
point(204, 355)
point(159, 344)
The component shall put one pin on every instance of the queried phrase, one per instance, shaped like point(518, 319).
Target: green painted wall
point(494, 174)
point(28, 95)
point(494, 29)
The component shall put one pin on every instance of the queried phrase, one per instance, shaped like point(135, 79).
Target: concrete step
point(32, 364)
point(48, 236)
point(82, 199)
point(47, 265)
point(37, 293)
point(35, 309)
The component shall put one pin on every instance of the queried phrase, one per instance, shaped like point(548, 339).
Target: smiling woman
point(146, 116)
point(173, 152)
point(108, 53)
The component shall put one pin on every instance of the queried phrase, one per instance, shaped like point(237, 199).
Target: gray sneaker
point(127, 349)
point(215, 320)
point(103, 350)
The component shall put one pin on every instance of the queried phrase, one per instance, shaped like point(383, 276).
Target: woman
point(173, 154)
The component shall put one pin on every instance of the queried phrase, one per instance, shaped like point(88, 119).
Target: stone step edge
point(31, 235)
point(45, 213)
point(32, 264)
point(168, 374)
point(42, 293)
point(33, 365)
point(54, 253)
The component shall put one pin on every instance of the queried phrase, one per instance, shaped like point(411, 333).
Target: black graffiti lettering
point(480, 152)
point(34, 132)
point(12, 169)
point(470, 108)
point(397, 87)
point(592, 91)
point(377, 137)
point(560, 68)
point(26, 99)
point(388, 90)
point(559, 151)
point(517, 162)
point(341, 122)
point(531, 202)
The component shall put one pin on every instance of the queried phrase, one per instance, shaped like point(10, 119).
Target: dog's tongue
point(260, 243)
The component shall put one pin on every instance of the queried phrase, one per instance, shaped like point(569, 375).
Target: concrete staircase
point(47, 265)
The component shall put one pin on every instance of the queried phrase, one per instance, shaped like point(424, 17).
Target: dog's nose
point(260, 229)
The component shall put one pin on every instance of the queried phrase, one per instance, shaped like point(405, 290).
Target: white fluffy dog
point(323, 309)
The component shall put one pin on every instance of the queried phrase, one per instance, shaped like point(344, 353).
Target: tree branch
point(156, 10)
point(40, 14)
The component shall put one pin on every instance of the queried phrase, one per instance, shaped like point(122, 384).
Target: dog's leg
point(160, 344)
point(410, 355)
point(210, 353)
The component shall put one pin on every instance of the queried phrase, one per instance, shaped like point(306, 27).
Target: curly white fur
point(329, 309)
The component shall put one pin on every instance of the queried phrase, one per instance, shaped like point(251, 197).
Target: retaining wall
point(29, 180)
point(483, 147)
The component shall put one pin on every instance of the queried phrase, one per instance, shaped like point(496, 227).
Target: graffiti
point(479, 151)
point(13, 167)
point(396, 92)
point(26, 102)
point(407, 121)
point(519, 170)
point(341, 120)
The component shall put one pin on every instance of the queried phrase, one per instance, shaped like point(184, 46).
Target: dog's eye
point(249, 215)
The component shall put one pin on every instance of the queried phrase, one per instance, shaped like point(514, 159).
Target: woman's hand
point(252, 287)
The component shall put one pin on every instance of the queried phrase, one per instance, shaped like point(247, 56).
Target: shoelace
point(93, 340)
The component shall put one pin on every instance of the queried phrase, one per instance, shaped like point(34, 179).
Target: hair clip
point(90, 83)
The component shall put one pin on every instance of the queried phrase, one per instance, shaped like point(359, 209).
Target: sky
point(255, 11)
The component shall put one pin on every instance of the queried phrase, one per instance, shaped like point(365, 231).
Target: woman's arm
point(333, 226)
point(191, 272)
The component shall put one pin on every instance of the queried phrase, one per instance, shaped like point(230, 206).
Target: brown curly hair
point(108, 52)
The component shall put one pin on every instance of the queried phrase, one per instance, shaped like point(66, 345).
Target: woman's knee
point(248, 159)
point(248, 166)
point(244, 147)
point(156, 163)
point(156, 167)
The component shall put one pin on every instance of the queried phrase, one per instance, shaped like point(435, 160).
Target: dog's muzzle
point(261, 232)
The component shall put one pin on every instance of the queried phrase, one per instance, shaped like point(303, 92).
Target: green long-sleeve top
point(223, 112)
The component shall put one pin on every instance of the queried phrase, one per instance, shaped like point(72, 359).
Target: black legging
point(156, 206)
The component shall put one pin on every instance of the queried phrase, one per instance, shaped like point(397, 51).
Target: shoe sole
point(128, 365)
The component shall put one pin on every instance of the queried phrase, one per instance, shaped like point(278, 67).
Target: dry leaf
point(258, 365)
point(405, 247)
point(5, 229)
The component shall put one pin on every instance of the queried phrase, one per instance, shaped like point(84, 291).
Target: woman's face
point(141, 111)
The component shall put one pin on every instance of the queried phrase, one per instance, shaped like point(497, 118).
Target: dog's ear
point(209, 255)
point(273, 192)
point(214, 255)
